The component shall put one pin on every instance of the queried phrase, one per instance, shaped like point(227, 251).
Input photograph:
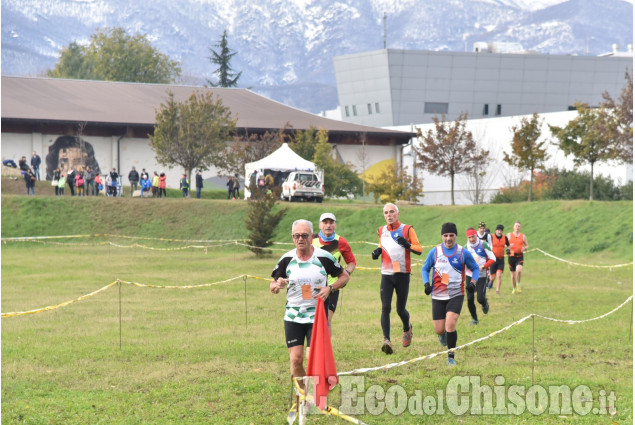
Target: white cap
point(327, 215)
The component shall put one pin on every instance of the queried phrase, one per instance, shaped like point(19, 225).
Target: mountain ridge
point(285, 48)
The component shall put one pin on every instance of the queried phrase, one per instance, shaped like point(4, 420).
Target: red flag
point(321, 363)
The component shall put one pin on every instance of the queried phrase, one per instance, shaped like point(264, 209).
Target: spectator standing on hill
point(89, 181)
point(230, 187)
point(184, 184)
point(484, 257)
point(304, 271)
point(199, 183)
point(99, 184)
point(60, 184)
point(163, 185)
point(499, 243)
point(516, 259)
point(56, 179)
point(396, 242)
point(22, 164)
point(70, 180)
point(144, 173)
point(133, 178)
point(236, 186)
point(155, 185)
point(114, 180)
point(447, 262)
point(339, 248)
point(79, 182)
point(29, 180)
point(35, 165)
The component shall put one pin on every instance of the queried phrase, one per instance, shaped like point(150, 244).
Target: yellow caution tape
point(54, 307)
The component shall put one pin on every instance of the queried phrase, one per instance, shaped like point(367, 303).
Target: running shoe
point(407, 337)
point(474, 322)
point(513, 291)
point(451, 361)
point(486, 308)
point(387, 347)
point(519, 290)
point(443, 339)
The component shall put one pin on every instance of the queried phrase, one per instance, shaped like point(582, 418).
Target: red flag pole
point(321, 364)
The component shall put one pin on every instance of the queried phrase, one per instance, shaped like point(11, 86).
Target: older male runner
point(396, 242)
point(303, 271)
point(332, 242)
point(447, 262)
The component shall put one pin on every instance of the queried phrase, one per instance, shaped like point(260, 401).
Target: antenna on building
point(384, 30)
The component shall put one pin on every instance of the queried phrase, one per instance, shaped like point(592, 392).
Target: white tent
point(279, 164)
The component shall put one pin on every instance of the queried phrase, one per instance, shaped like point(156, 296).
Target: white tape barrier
point(518, 322)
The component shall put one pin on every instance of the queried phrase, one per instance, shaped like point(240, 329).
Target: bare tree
point(449, 149)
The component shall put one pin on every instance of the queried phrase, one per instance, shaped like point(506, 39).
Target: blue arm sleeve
point(471, 264)
point(427, 266)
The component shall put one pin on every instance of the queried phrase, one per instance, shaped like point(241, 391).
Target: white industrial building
point(495, 135)
point(392, 87)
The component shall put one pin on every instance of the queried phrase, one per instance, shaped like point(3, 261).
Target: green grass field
point(216, 354)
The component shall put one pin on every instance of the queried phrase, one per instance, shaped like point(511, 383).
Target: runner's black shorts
point(498, 265)
point(296, 333)
point(515, 261)
point(441, 307)
point(331, 301)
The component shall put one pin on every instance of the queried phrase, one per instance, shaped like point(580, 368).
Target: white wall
point(133, 152)
point(495, 135)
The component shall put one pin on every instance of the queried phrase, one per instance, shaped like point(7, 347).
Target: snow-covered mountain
point(286, 47)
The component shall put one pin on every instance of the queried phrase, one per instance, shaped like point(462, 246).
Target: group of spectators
point(84, 181)
point(30, 174)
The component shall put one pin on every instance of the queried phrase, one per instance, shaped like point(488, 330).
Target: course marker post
point(245, 282)
point(630, 327)
point(119, 285)
point(533, 347)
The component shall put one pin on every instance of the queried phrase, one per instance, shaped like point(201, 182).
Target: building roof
point(135, 104)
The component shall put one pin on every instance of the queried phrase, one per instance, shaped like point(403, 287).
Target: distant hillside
point(285, 48)
point(568, 229)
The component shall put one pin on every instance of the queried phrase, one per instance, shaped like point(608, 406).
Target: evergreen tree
point(222, 58)
point(527, 153)
point(113, 55)
point(261, 222)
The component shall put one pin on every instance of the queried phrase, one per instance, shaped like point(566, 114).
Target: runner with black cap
point(339, 248)
point(447, 262)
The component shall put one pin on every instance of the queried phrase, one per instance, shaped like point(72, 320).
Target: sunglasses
point(300, 236)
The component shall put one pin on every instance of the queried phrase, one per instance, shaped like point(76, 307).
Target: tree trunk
point(531, 183)
point(452, 187)
point(591, 186)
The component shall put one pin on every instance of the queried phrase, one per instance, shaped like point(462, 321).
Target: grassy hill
point(562, 228)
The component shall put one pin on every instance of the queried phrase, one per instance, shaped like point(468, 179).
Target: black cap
point(500, 226)
point(449, 228)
